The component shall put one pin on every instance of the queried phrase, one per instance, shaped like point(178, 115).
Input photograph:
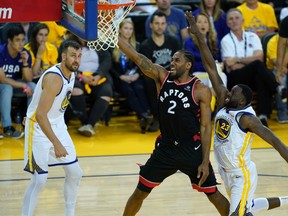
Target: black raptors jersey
point(179, 113)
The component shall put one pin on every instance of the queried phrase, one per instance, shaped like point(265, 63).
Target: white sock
point(283, 200)
point(260, 204)
point(36, 184)
point(70, 209)
point(72, 181)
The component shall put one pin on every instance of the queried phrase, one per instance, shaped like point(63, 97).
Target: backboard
point(73, 13)
point(96, 21)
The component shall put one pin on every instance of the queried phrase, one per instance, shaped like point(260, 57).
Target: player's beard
point(231, 104)
point(178, 74)
point(73, 67)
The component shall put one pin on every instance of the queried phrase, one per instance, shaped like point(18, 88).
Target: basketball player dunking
point(184, 114)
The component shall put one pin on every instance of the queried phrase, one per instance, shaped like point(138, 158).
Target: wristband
point(24, 66)
point(80, 76)
point(25, 88)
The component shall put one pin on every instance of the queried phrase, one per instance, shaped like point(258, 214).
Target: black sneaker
point(12, 133)
point(145, 121)
point(1, 135)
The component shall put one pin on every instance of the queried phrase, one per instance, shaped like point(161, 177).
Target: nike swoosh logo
point(196, 148)
point(169, 81)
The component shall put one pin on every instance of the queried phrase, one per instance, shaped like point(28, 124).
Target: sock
point(72, 180)
point(260, 204)
point(36, 184)
point(268, 203)
point(283, 200)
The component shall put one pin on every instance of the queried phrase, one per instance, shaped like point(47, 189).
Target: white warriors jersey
point(232, 144)
point(61, 101)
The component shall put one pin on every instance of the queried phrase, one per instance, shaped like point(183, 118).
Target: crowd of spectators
point(235, 37)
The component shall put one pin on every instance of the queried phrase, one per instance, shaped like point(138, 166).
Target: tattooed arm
point(150, 69)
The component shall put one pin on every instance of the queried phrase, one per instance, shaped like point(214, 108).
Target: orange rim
point(114, 6)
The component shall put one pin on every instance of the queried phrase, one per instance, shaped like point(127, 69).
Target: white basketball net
point(108, 24)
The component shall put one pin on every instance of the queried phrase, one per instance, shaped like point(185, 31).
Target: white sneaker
point(86, 130)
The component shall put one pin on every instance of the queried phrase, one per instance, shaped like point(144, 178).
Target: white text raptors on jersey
point(177, 93)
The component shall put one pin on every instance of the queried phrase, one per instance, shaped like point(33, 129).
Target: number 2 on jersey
point(173, 105)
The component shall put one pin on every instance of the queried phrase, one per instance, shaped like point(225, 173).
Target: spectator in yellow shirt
point(43, 53)
point(258, 17)
point(56, 33)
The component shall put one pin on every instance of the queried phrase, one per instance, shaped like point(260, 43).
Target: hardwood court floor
point(109, 162)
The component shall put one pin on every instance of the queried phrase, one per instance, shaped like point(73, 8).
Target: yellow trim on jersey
point(33, 117)
point(245, 192)
point(246, 173)
point(30, 144)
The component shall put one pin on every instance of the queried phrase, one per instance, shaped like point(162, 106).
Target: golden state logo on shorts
point(65, 101)
point(222, 128)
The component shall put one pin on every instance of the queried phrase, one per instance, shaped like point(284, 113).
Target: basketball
point(105, 15)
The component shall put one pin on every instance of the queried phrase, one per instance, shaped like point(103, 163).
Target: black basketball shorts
point(170, 156)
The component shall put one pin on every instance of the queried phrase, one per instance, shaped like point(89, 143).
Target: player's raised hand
point(193, 29)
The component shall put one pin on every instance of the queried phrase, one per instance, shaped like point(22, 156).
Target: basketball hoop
point(109, 17)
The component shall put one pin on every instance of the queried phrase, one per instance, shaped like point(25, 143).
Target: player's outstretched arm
point(253, 124)
point(150, 69)
point(208, 60)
